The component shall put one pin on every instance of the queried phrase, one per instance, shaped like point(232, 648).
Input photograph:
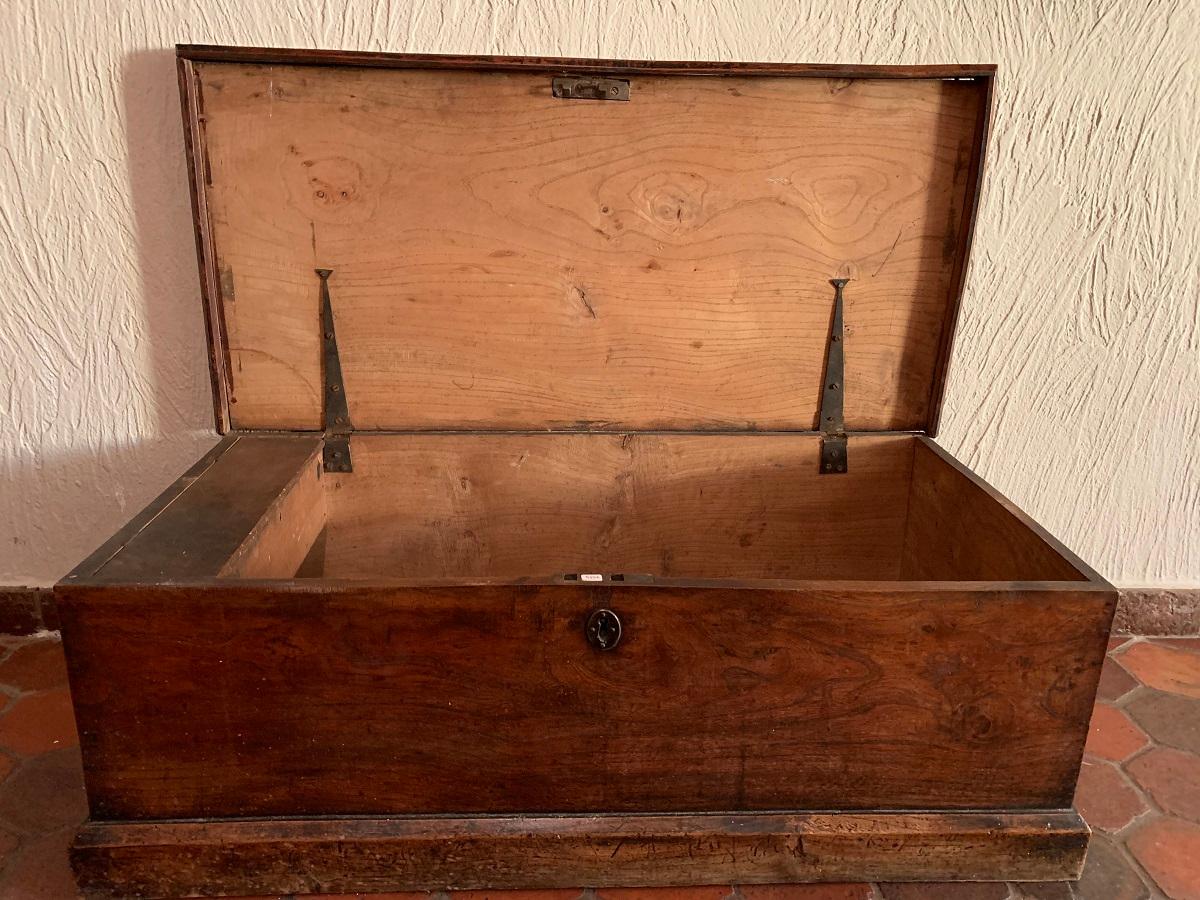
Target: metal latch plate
point(584, 87)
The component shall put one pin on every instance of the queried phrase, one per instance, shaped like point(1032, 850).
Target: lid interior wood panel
point(503, 259)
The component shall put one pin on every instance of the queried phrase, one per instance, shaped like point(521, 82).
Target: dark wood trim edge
point(884, 589)
point(106, 551)
point(234, 857)
point(1158, 611)
point(192, 106)
point(191, 530)
point(966, 238)
point(1141, 611)
point(315, 57)
point(27, 610)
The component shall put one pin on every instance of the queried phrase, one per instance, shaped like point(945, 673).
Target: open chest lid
point(514, 244)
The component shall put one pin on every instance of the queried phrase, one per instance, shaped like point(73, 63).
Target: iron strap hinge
point(335, 456)
point(834, 459)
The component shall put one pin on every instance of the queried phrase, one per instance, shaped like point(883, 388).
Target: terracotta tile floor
point(1139, 790)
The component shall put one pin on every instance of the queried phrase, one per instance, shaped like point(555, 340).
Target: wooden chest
point(578, 518)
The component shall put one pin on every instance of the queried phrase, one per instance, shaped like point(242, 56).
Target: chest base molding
point(319, 855)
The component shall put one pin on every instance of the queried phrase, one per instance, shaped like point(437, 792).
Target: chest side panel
point(503, 258)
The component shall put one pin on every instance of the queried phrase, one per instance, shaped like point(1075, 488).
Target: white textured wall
point(1075, 386)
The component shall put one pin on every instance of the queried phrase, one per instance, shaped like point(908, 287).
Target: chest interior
point(637, 508)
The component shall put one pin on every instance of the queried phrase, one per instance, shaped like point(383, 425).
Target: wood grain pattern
point(661, 263)
point(960, 528)
point(222, 699)
point(350, 855)
point(202, 520)
point(513, 508)
point(285, 533)
point(899, 643)
point(696, 506)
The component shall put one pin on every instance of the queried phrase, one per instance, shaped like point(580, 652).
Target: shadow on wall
point(166, 242)
point(71, 503)
point(152, 413)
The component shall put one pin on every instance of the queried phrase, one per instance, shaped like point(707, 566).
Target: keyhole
point(603, 629)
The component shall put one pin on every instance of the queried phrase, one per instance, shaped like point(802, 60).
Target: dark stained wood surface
point(96, 560)
point(279, 700)
point(318, 57)
point(350, 855)
point(200, 522)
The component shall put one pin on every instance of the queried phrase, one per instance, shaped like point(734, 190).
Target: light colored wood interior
point(956, 529)
point(281, 539)
point(698, 506)
point(736, 507)
point(535, 506)
point(503, 259)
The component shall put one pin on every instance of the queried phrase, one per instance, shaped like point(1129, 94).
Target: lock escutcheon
point(603, 629)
